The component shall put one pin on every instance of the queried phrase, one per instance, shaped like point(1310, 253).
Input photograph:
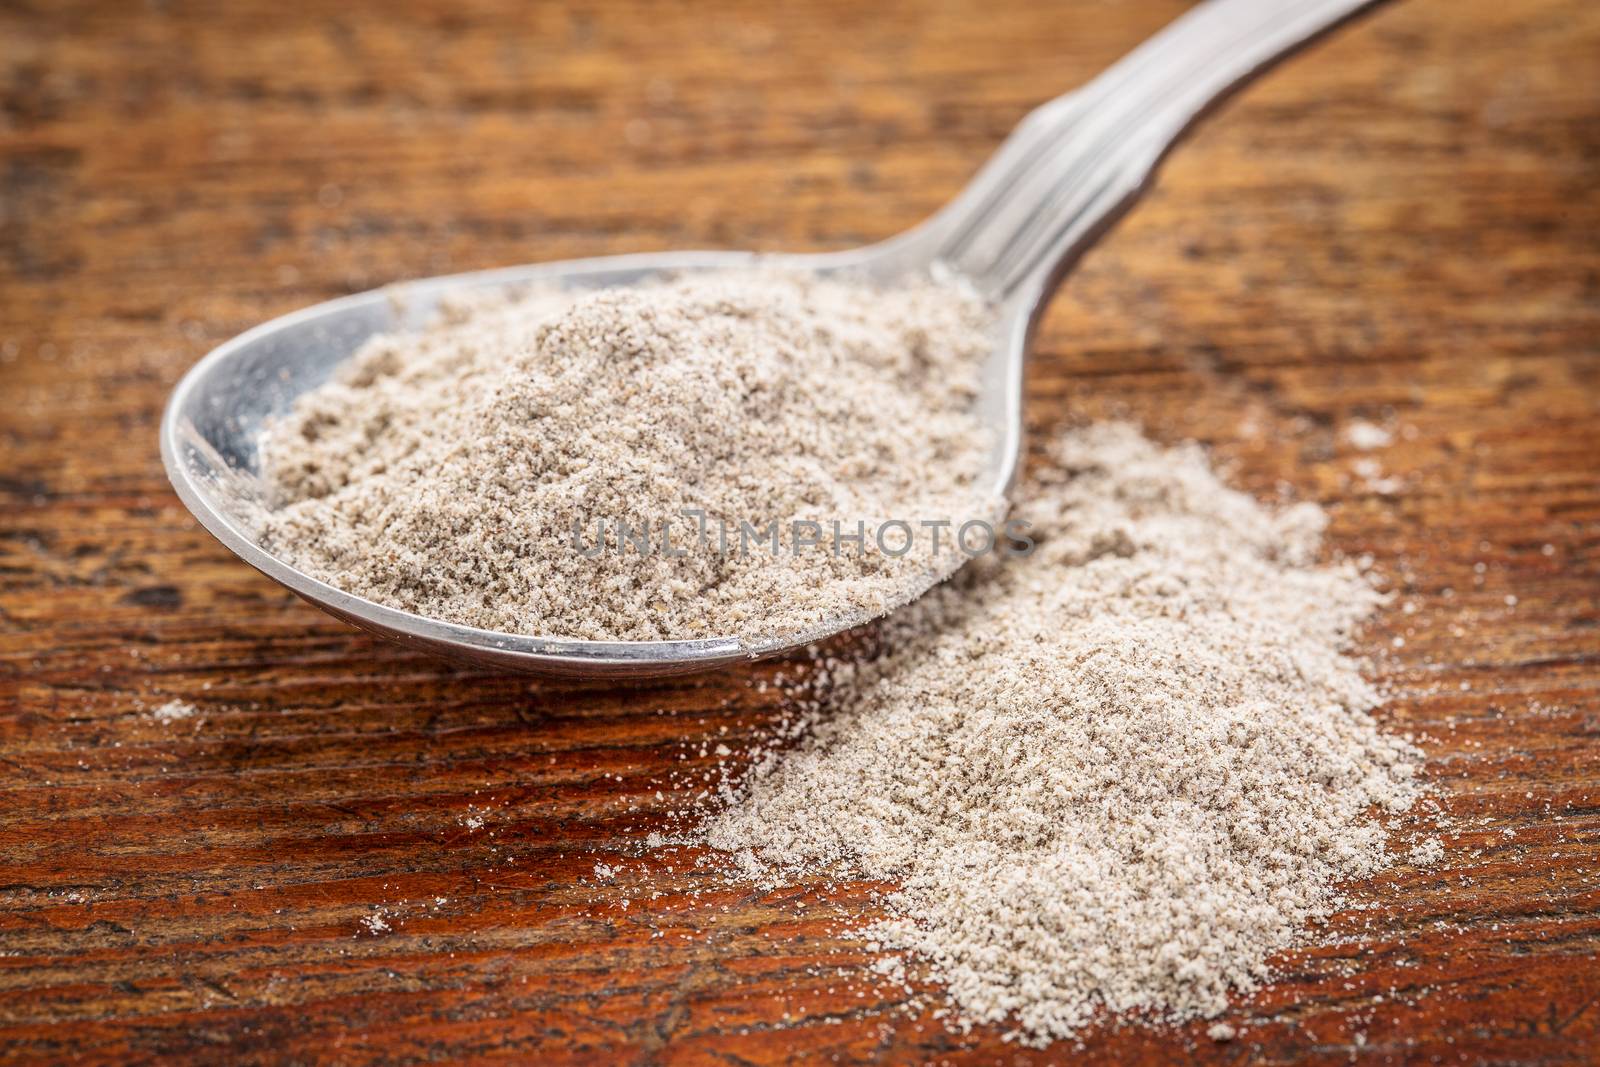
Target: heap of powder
point(457, 472)
point(1115, 775)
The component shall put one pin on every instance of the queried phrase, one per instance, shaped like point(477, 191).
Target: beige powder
point(443, 472)
point(1117, 774)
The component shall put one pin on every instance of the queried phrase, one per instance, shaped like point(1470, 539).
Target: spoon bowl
point(1071, 169)
point(213, 423)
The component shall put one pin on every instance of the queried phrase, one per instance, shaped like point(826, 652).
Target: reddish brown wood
point(1400, 225)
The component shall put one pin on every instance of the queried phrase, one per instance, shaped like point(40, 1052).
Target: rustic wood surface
point(354, 853)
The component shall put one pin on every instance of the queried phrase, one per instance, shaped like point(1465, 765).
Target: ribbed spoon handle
point(1076, 163)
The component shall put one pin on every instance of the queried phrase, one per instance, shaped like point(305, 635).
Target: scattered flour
point(1372, 477)
point(1427, 852)
point(1366, 435)
point(174, 711)
point(1116, 775)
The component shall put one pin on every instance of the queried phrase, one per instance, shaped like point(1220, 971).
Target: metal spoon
point(1070, 169)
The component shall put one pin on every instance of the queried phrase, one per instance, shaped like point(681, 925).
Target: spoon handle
point(1076, 163)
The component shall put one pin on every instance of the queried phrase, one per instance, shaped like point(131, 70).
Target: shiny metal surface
point(1070, 170)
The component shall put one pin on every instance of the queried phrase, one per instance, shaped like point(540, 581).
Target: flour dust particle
point(1116, 775)
point(443, 471)
point(174, 711)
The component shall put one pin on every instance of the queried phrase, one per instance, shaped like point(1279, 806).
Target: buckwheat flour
point(1117, 774)
point(450, 472)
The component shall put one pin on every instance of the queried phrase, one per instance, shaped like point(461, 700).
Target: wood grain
point(358, 854)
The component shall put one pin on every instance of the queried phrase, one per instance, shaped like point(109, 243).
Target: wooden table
point(353, 853)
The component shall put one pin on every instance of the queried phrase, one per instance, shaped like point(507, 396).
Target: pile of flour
point(446, 472)
point(1117, 774)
